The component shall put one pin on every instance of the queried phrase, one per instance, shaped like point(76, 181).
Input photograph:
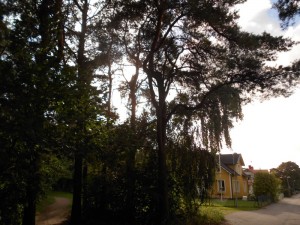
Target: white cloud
point(256, 17)
point(269, 133)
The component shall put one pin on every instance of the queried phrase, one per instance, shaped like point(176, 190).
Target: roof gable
point(227, 169)
point(232, 159)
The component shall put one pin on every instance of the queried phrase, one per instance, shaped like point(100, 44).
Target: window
point(221, 185)
point(236, 186)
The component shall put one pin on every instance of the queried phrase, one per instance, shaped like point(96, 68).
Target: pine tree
point(195, 51)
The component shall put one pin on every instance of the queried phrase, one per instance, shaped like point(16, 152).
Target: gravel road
point(285, 212)
point(55, 213)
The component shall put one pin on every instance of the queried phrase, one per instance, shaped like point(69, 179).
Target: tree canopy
point(289, 174)
point(288, 10)
point(60, 60)
point(198, 62)
point(267, 185)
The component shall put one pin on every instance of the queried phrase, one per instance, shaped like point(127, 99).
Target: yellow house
point(230, 180)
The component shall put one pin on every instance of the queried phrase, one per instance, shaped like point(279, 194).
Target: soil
point(56, 213)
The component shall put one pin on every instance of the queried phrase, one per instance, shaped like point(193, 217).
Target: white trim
point(230, 185)
point(224, 186)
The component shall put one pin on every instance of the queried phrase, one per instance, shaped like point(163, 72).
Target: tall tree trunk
point(163, 207)
point(30, 208)
point(84, 186)
point(60, 30)
point(130, 162)
point(130, 177)
point(161, 130)
point(33, 183)
point(77, 191)
point(76, 213)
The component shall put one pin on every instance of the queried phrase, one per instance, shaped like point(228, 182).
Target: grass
point(228, 205)
point(211, 215)
point(214, 213)
point(50, 199)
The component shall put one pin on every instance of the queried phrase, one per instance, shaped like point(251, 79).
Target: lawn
point(228, 205)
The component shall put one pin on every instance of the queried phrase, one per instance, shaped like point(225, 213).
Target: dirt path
point(56, 213)
point(285, 212)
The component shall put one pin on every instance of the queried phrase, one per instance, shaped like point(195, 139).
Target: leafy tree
point(108, 190)
point(266, 184)
point(133, 88)
point(196, 59)
point(81, 110)
point(46, 99)
point(192, 172)
point(289, 174)
point(199, 66)
point(29, 82)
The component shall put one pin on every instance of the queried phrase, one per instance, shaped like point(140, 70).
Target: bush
point(266, 184)
point(205, 215)
point(210, 216)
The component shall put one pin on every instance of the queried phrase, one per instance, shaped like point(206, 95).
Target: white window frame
point(222, 187)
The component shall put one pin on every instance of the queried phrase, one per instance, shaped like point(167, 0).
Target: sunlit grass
point(211, 215)
point(228, 205)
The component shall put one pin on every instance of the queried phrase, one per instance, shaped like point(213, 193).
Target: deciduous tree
point(289, 174)
point(266, 184)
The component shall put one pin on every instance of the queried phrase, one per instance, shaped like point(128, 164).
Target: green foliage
point(288, 10)
point(107, 185)
point(266, 184)
point(197, 50)
point(35, 88)
point(52, 112)
point(54, 169)
point(230, 204)
point(204, 215)
point(49, 199)
point(27, 89)
point(289, 174)
point(211, 216)
point(191, 176)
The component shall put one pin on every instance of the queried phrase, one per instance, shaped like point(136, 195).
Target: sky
point(269, 133)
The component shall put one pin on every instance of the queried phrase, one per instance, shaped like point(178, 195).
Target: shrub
point(266, 184)
point(211, 216)
point(205, 215)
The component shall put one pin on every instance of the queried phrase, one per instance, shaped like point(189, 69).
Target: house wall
point(242, 180)
point(223, 175)
point(243, 186)
point(229, 182)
